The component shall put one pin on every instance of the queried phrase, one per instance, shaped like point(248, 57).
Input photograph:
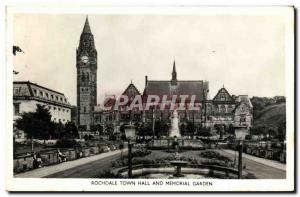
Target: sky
point(245, 53)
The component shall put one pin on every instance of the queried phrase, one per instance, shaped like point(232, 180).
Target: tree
point(271, 133)
point(161, 128)
point(231, 129)
point(190, 129)
point(145, 130)
point(59, 130)
point(282, 131)
point(36, 124)
point(204, 132)
point(109, 128)
point(70, 130)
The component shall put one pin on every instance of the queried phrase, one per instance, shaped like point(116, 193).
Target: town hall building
point(224, 110)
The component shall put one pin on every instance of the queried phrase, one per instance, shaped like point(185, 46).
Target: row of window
point(49, 96)
point(59, 120)
point(55, 108)
point(17, 108)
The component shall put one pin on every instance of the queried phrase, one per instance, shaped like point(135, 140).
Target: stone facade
point(223, 110)
point(26, 97)
point(86, 64)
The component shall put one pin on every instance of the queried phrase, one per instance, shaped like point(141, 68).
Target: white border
point(35, 184)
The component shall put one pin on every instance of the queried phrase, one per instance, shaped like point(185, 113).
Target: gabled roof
point(131, 90)
point(161, 88)
point(110, 102)
point(244, 99)
point(223, 96)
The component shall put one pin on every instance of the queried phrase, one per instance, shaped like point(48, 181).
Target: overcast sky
point(245, 53)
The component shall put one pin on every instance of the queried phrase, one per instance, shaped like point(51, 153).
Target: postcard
point(150, 99)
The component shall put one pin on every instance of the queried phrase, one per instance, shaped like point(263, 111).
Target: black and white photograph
point(150, 99)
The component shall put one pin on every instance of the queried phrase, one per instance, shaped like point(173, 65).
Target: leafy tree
point(189, 129)
point(70, 130)
point(145, 130)
point(109, 128)
point(261, 130)
point(204, 132)
point(160, 128)
point(36, 124)
point(59, 130)
point(98, 128)
point(281, 131)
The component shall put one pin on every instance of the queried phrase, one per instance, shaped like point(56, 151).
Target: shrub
point(141, 153)
point(215, 155)
point(109, 175)
point(64, 143)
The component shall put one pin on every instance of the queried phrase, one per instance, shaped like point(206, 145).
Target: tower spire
point(86, 28)
point(174, 67)
point(174, 74)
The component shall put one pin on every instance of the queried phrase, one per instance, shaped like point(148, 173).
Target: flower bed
point(214, 155)
point(215, 158)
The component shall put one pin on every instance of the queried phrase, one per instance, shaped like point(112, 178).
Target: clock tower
point(86, 64)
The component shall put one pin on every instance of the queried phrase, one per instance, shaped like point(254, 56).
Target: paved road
point(89, 170)
point(260, 170)
point(93, 168)
point(65, 166)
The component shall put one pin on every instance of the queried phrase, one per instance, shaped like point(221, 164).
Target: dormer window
point(17, 91)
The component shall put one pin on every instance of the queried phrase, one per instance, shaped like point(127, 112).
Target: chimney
point(146, 80)
point(206, 86)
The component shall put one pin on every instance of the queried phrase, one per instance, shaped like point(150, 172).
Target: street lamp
point(240, 161)
point(130, 135)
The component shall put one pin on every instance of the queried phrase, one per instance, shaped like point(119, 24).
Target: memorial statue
point(174, 129)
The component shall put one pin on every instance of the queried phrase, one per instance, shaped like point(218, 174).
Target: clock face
point(84, 59)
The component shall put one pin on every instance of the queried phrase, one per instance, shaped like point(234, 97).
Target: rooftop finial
point(86, 28)
point(174, 74)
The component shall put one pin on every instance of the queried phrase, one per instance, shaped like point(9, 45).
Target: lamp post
point(240, 161)
point(130, 135)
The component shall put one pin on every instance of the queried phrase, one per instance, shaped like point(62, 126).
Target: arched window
point(84, 109)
